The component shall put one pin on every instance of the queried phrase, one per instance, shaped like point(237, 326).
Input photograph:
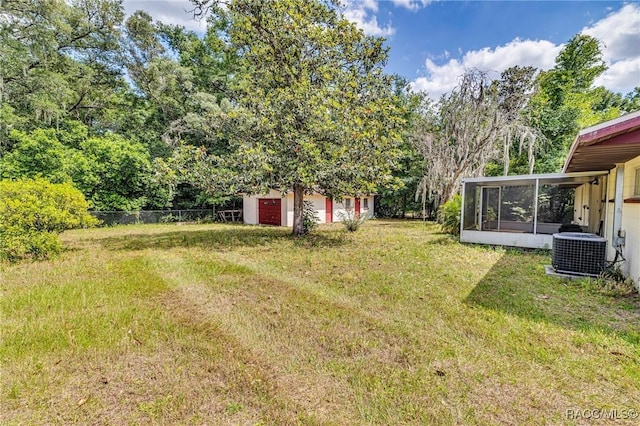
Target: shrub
point(613, 282)
point(168, 218)
point(34, 212)
point(16, 244)
point(351, 220)
point(310, 217)
point(449, 215)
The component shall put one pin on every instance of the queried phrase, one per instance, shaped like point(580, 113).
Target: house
point(598, 190)
point(276, 208)
point(614, 146)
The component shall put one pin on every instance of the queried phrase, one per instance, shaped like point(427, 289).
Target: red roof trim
point(608, 132)
point(628, 138)
point(624, 130)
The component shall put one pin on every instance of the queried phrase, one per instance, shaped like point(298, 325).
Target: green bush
point(449, 215)
point(310, 218)
point(18, 244)
point(351, 220)
point(34, 212)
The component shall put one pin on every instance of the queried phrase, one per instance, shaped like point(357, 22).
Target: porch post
point(499, 206)
point(480, 209)
point(535, 208)
point(464, 187)
point(616, 241)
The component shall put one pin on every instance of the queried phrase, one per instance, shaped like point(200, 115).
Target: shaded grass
point(396, 324)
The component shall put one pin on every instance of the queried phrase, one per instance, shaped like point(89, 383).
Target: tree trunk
point(298, 207)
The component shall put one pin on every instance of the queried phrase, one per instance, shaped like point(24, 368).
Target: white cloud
point(441, 79)
point(176, 12)
point(622, 76)
point(362, 13)
point(411, 4)
point(619, 32)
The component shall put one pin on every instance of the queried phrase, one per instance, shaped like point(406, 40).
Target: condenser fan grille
point(578, 253)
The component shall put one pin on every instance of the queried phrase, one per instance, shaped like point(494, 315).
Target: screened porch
point(525, 211)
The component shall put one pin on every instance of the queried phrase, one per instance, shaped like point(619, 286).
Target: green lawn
point(223, 324)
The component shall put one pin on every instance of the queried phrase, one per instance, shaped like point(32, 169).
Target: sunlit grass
point(394, 324)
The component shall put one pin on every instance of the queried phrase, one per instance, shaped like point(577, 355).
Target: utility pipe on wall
point(616, 240)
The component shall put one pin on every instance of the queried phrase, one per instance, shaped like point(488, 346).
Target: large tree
point(467, 129)
point(319, 113)
point(57, 58)
point(565, 99)
point(519, 140)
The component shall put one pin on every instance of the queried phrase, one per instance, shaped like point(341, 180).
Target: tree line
point(285, 95)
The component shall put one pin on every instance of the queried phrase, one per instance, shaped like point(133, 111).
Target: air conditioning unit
point(579, 253)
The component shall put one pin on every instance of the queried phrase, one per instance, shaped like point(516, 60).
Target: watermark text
point(602, 413)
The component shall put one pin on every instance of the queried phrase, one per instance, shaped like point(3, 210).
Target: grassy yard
point(223, 324)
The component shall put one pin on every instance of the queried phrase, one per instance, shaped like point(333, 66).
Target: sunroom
point(526, 210)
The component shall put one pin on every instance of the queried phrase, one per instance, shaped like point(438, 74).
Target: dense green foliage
point(566, 101)
point(310, 218)
point(89, 99)
point(449, 215)
point(34, 212)
point(113, 173)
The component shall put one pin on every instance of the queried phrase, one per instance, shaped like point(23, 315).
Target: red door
point(357, 209)
point(269, 212)
point(328, 207)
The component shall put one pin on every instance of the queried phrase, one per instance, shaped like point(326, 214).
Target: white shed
point(276, 208)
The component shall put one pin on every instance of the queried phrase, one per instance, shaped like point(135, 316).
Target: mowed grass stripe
point(50, 313)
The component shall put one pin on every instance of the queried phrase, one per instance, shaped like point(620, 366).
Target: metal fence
point(109, 218)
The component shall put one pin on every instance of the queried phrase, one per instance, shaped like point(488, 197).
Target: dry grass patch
point(395, 324)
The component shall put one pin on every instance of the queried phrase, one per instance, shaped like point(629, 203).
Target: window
point(636, 188)
point(347, 203)
point(365, 204)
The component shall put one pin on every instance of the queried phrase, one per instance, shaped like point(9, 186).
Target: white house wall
point(611, 193)
point(340, 212)
point(318, 205)
point(250, 209)
point(580, 201)
point(512, 239)
point(588, 204)
point(369, 212)
point(631, 221)
point(597, 205)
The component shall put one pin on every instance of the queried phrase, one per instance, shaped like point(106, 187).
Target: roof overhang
point(602, 146)
point(567, 179)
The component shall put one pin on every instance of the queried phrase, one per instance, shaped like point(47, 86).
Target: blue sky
point(433, 42)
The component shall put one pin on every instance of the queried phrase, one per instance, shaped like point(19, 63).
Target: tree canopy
point(314, 110)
